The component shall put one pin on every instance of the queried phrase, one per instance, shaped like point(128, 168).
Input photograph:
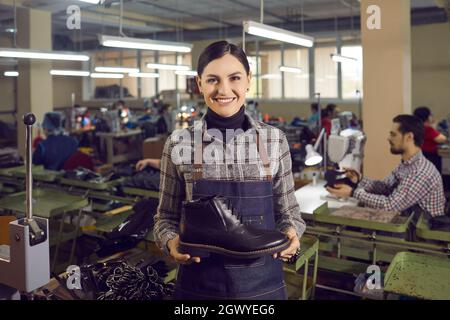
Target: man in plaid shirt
point(415, 181)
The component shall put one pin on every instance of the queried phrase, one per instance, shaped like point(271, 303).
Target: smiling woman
point(223, 77)
point(260, 189)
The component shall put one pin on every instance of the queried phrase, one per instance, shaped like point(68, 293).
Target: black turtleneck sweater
point(236, 121)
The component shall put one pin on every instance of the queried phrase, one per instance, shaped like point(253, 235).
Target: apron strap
point(197, 173)
point(264, 157)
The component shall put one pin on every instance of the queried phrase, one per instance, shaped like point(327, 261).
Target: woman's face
point(224, 83)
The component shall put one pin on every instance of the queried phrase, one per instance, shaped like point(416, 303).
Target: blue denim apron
point(220, 277)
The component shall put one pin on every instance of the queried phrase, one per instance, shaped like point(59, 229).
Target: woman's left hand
point(293, 247)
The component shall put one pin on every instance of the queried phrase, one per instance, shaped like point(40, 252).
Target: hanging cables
point(302, 17)
point(121, 20)
point(15, 24)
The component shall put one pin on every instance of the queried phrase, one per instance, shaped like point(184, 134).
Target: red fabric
point(429, 145)
point(326, 123)
point(79, 159)
point(36, 141)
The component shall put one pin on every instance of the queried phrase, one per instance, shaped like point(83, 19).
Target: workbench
point(134, 145)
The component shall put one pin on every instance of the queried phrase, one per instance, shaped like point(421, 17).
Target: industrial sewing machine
point(25, 262)
point(345, 151)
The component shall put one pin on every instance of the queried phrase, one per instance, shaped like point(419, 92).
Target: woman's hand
point(181, 258)
point(293, 247)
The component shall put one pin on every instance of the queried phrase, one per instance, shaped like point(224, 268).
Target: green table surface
point(419, 275)
point(48, 203)
point(423, 231)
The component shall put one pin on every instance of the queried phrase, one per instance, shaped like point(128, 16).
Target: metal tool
point(25, 262)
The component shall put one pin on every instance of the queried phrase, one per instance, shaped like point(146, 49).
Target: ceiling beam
point(245, 5)
point(187, 13)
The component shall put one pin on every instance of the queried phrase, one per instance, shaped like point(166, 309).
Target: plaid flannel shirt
point(414, 182)
point(177, 182)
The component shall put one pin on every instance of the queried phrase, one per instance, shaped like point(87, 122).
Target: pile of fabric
point(147, 179)
point(9, 157)
point(87, 175)
point(369, 214)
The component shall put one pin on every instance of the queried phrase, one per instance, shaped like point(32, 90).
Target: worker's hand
point(341, 190)
point(181, 258)
point(141, 165)
point(352, 175)
point(155, 163)
point(293, 246)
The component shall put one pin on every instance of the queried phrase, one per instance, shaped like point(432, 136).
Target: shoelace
point(227, 206)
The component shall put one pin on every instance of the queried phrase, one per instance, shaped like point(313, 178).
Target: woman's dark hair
point(315, 106)
point(217, 50)
point(409, 123)
point(423, 113)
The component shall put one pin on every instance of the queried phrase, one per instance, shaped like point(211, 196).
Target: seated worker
point(432, 137)
point(56, 148)
point(313, 120)
point(415, 181)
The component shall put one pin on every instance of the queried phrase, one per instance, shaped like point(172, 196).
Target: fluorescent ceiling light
point(189, 73)
point(11, 74)
point(144, 44)
point(47, 55)
point(266, 31)
point(174, 67)
point(74, 73)
point(271, 76)
point(144, 75)
point(290, 69)
point(341, 58)
point(10, 30)
point(107, 75)
point(116, 69)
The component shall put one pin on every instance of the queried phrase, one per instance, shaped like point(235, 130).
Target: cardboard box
point(153, 147)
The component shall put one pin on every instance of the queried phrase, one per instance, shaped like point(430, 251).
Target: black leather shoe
point(208, 225)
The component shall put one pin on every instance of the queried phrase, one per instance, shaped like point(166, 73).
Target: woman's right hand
point(182, 258)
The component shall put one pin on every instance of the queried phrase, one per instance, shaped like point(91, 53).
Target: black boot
point(208, 225)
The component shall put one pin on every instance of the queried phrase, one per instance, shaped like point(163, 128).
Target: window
point(296, 85)
point(148, 85)
point(166, 77)
point(270, 74)
point(184, 59)
point(99, 89)
point(256, 79)
point(326, 77)
point(351, 71)
point(110, 88)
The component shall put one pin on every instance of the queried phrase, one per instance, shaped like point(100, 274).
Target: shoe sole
point(204, 251)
